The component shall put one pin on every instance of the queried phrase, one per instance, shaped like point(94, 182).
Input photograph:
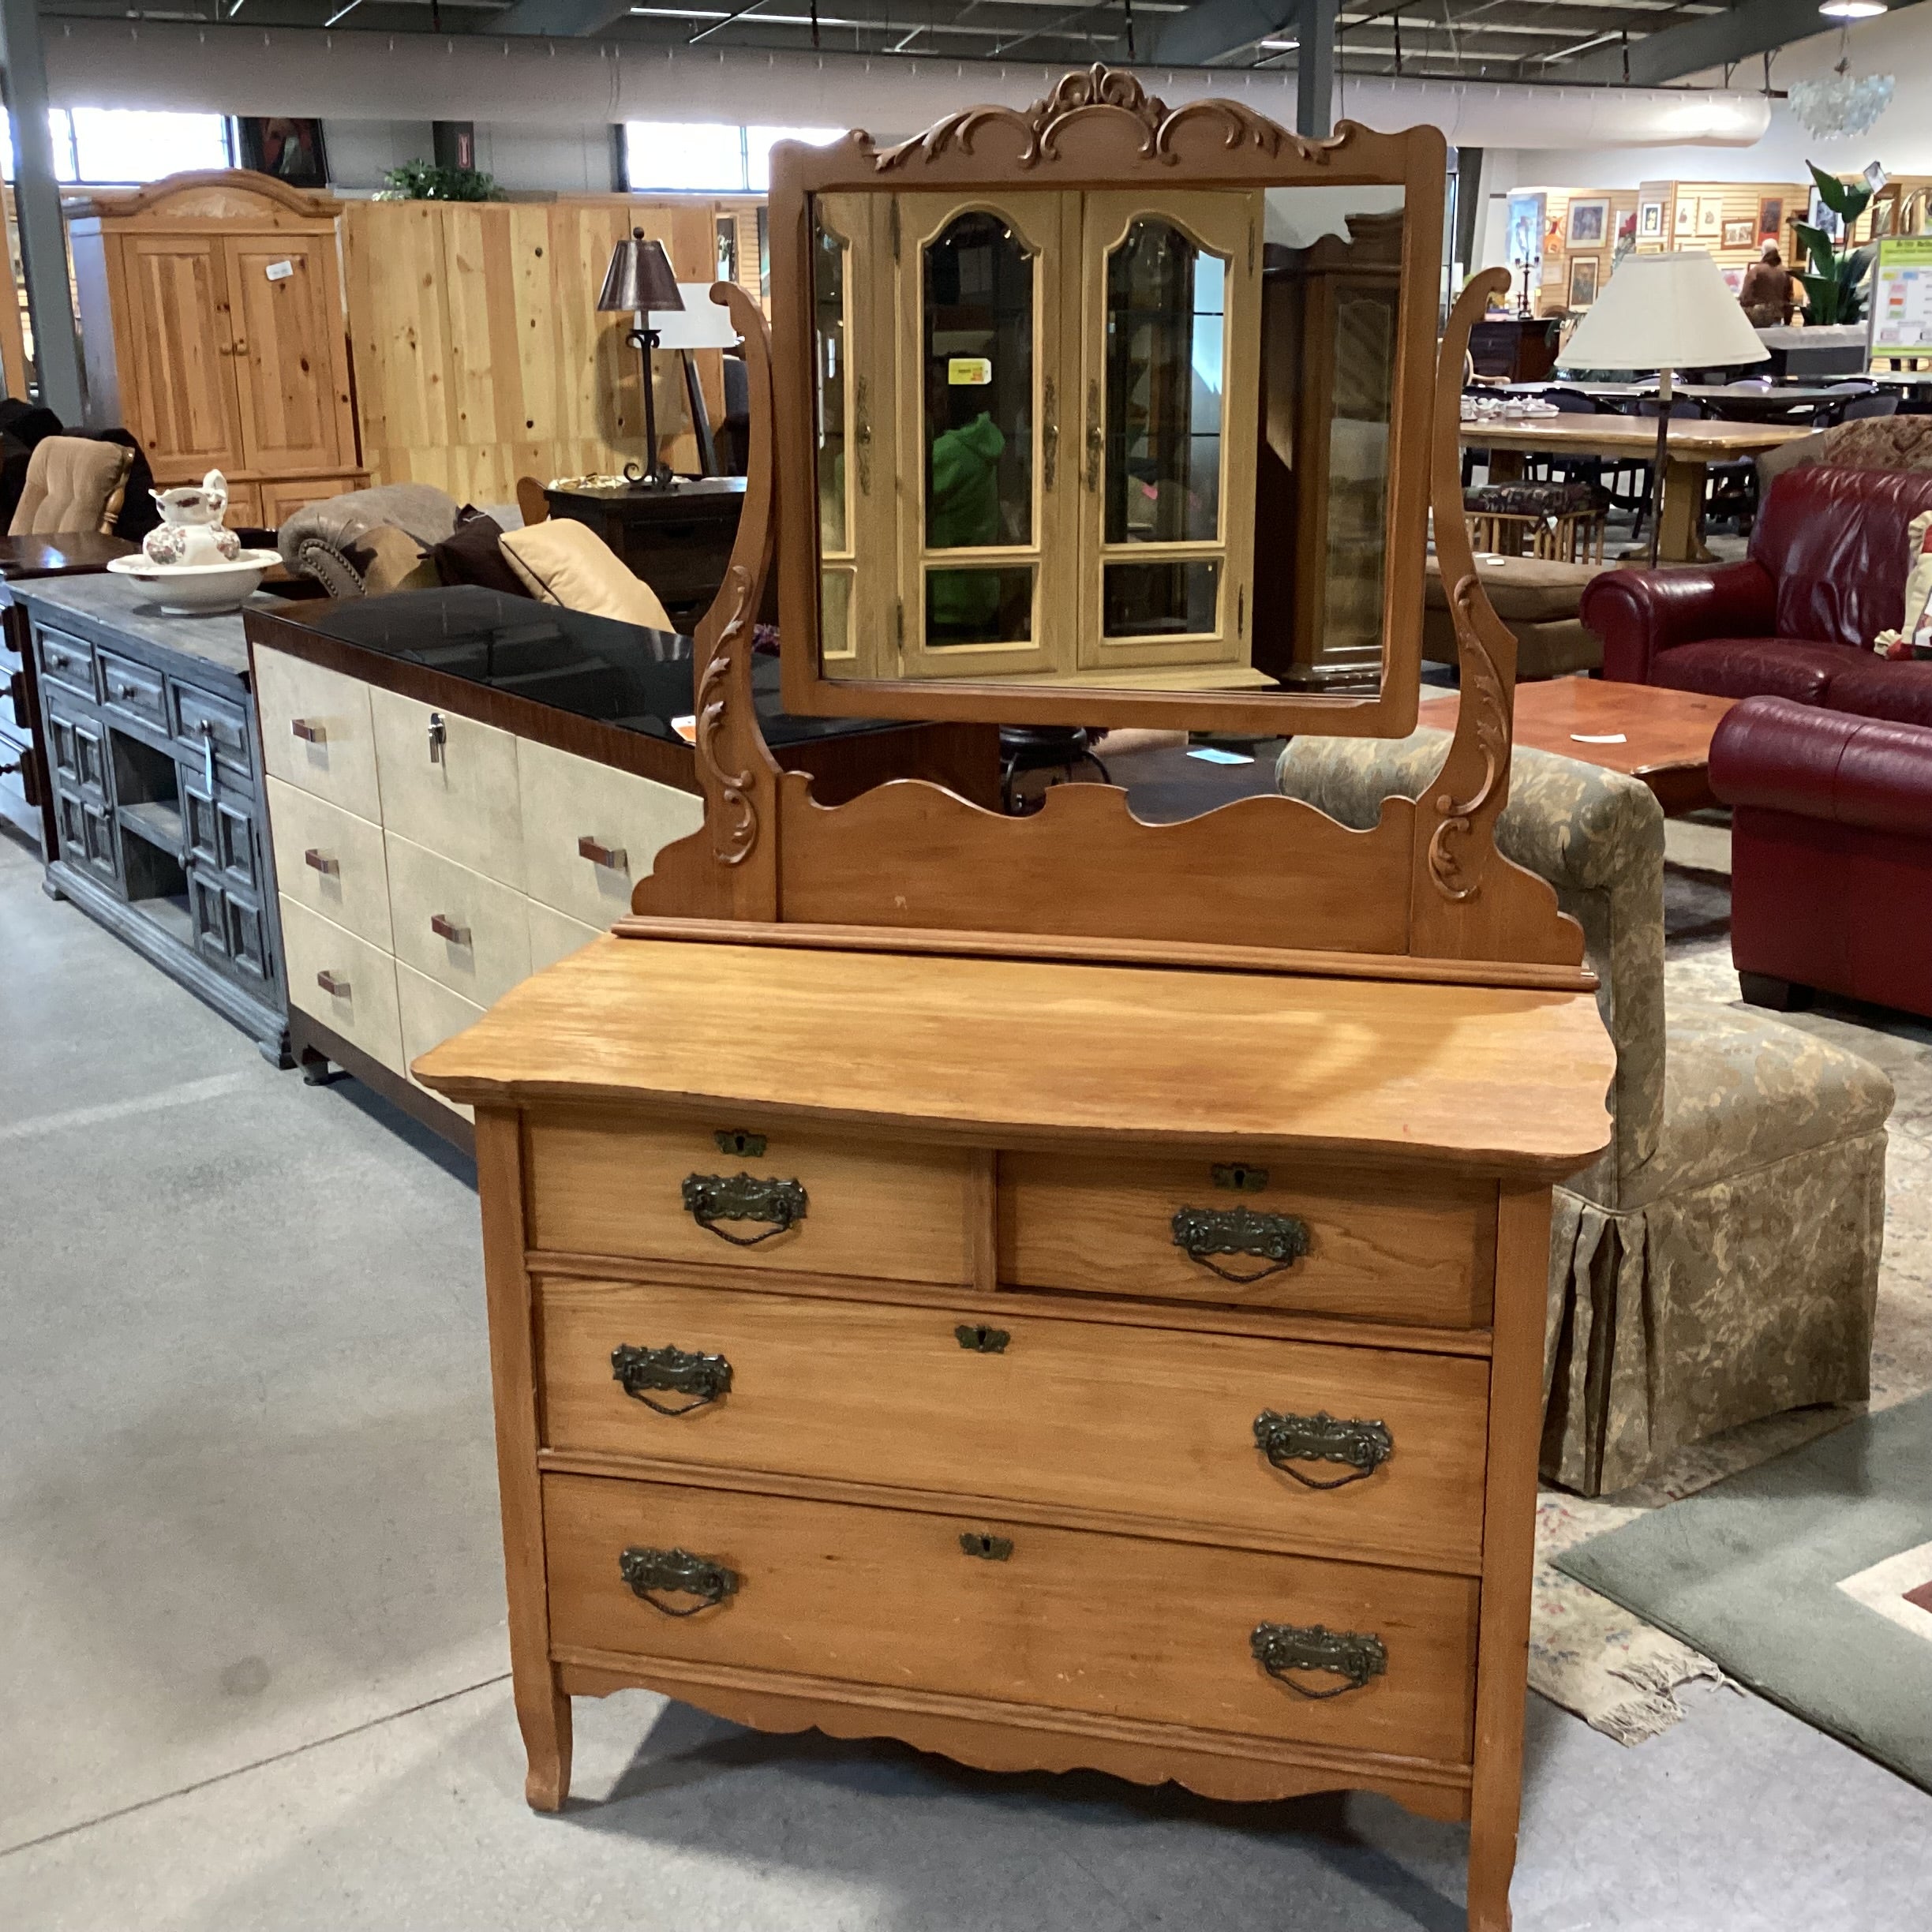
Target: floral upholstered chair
point(1720, 1260)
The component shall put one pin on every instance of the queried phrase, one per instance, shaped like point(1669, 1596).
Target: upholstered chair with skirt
point(1720, 1261)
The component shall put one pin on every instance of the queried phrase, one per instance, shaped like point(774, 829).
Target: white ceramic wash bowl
point(199, 589)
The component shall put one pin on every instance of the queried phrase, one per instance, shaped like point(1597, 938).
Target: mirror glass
point(1123, 439)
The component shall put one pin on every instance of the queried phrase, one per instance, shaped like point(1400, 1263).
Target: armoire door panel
point(182, 343)
point(283, 296)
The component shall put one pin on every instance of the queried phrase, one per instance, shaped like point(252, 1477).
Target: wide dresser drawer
point(344, 982)
point(1388, 1248)
point(316, 732)
point(793, 1199)
point(1066, 1620)
point(1369, 1452)
point(331, 860)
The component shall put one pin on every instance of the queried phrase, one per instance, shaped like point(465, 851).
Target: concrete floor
point(252, 1658)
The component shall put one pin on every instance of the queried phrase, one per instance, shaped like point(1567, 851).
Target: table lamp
point(700, 323)
point(638, 280)
point(1665, 313)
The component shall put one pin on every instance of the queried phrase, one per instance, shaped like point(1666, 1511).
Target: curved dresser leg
point(544, 1716)
point(1491, 1861)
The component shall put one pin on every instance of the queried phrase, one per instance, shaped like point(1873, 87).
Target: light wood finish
point(461, 802)
point(463, 929)
point(554, 936)
point(1383, 1247)
point(1357, 1069)
point(362, 1007)
point(601, 1185)
point(1062, 1622)
point(12, 336)
point(334, 753)
point(429, 1013)
point(564, 801)
point(1148, 1424)
point(213, 326)
point(1665, 734)
point(331, 861)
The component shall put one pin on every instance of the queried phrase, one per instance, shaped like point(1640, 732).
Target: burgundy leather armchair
point(1831, 852)
point(1825, 574)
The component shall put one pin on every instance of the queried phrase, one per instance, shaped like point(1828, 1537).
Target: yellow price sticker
point(969, 372)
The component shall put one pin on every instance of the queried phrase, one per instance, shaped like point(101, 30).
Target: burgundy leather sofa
point(1825, 574)
point(1831, 850)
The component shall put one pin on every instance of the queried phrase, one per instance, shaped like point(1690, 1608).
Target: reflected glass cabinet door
point(984, 584)
point(1171, 311)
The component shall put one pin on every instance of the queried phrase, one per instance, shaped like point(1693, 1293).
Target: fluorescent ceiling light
point(1852, 9)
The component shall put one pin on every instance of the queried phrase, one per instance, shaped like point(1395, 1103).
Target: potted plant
point(1834, 282)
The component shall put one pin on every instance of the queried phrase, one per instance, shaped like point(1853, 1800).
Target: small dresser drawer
point(591, 832)
point(132, 687)
point(449, 784)
point(430, 1014)
point(455, 925)
point(1256, 1234)
point(1117, 1627)
point(554, 936)
point(66, 660)
point(331, 860)
point(343, 982)
point(204, 722)
point(793, 1199)
point(315, 731)
point(1356, 1452)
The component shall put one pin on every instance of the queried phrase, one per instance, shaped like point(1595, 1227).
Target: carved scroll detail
point(1101, 90)
point(1482, 686)
point(735, 820)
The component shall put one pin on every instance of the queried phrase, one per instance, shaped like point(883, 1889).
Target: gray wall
point(570, 159)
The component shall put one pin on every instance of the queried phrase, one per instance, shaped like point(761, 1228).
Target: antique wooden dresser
point(1061, 1291)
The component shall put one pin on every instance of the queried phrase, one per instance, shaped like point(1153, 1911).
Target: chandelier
point(1840, 106)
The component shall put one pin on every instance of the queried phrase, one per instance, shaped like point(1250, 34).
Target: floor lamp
point(700, 323)
point(1664, 313)
point(638, 281)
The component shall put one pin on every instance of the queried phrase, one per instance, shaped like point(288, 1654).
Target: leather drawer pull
point(1355, 1656)
point(330, 984)
point(613, 856)
point(1278, 1239)
point(990, 1548)
point(320, 862)
point(712, 1198)
point(680, 1573)
point(1362, 1447)
point(445, 928)
point(704, 1378)
point(981, 1339)
point(308, 733)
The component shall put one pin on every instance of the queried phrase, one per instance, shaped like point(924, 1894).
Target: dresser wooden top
point(1038, 1052)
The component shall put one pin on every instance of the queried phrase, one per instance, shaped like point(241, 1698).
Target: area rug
point(1808, 1579)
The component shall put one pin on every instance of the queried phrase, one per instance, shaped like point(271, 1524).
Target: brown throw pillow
point(472, 554)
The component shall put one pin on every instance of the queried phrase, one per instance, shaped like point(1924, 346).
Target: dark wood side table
point(678, 539)
point(26, 794)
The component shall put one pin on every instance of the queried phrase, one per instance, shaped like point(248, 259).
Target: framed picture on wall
point(1687, 214)
point(1583, 271)
point(1709, 214)
point(1770, 219)
point(1589, 221)
point(1737, 234)
point(291, 150)
point(1649, 221)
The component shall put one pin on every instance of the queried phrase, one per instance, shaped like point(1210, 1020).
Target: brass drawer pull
point(336, 988)
point(712, 1198)
point(1278, 1239)
point(981, 1339)
point(308, 733)
point(613, 856)
point(990, 1548)
point(704, 1378)
point(1362, 1447)
point(681, 1573)
point(1355, 1656)
point(320, 862)
point(448, 928)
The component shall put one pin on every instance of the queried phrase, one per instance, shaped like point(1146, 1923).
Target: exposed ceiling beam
point(562, 19)
point(1717, 40)
point(1217, 26)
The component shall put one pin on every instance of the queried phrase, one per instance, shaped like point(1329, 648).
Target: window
point(706, 157)
point(125, 146)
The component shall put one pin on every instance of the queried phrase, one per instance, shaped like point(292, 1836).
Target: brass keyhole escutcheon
point(735, 1140)
point(981, 1340)
point(1240, 1176)
point(989, 1548)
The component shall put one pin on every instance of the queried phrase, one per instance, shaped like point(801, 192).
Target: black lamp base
point(654, 473)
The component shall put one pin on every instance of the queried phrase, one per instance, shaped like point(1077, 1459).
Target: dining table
point(1693, 445)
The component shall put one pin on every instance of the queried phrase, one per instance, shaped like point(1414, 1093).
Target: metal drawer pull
point(679, 1571)
point(127, 690)
point(448, 929)
point(336, 989)
point(438, 737)
point(704, 1378)
point(308, 733)
point(711, 1198)
point(320, 862)
point(735, 1140)
point(1356, 1656)
point(992, 1548)
point(981, 1339)
point(1278, 1239)
point(1362, 1447)
point(611, 856)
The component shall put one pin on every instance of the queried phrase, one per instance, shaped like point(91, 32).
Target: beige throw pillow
point(1919, 578)
point(567, 563)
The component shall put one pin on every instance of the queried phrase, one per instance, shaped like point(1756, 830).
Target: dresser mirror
point(1107, 447)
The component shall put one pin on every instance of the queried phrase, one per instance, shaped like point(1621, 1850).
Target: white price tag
point(1599, 738)
point(279, 271)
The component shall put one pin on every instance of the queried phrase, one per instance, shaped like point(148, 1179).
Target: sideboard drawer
point(316, 732)
point(454, 924)
point(615, 1184)
point(66, 660)
point(203, 722)
point(1378, 1248)
point(449, 784)
point(331, 860)
point(1063, 1619)
point(1143, 1422)
point(591, 832)
point(132, 688)
point(343, 982)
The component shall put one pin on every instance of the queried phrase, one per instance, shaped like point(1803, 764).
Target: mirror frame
point(1100, 129)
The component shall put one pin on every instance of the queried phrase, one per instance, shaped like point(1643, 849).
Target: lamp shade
point(1665, 312)
point(702, 324)
point(639, 277)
